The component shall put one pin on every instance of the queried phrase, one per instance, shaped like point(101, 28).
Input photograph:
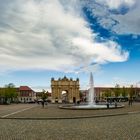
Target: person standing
point(42, 103)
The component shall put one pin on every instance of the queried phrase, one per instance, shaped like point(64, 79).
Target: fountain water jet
point(91, 100)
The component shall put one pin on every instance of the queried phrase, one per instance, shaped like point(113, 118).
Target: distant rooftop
point(24, 88)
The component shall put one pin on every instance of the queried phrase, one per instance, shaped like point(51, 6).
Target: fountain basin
point(91, 107)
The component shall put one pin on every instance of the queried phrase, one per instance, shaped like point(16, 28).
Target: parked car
point(31, 102)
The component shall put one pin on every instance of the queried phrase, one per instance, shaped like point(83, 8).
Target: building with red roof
point(26, 94)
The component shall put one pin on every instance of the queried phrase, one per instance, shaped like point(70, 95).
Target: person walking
point(115, 104)
point(107, 104)
point(42, 103)
point(130, 101)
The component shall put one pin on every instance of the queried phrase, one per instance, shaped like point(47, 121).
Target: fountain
point(91, 96)
point(91, 101)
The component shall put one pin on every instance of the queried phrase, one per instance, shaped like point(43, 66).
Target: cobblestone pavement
point(125, 127)
point(7, 109)
point(53, 111)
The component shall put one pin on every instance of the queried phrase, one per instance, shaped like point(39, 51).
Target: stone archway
point(70, 86)
point(64, 96)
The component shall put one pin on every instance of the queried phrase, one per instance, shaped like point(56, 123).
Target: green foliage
point(124, 92)
point(131, 91)
point(80, 94)
point(8, 92)
point(2, 92)
point(44, 95)
point(117, 90)
point(107, 93)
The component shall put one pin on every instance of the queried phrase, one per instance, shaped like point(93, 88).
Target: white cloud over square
point(119, 16)
point(51, 35)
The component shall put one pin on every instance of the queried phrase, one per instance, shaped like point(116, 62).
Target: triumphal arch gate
point(65, 90)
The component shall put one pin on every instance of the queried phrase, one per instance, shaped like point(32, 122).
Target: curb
point(61, 118)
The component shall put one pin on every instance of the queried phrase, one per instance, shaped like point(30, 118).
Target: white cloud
point(115, 4)
point(50, 34)
point(41, 88)
point(124, 82)
point(125, 19)
point(128, 23)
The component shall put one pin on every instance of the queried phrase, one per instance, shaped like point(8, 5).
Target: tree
point(44, 95)
point(10, 92)
point(117, 90)
point(107, 93)
point(131, 91)
point(2, 95)
point(2, 91)
point(124, 92)
point(80, 94)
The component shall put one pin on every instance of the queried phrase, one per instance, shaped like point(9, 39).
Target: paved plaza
point(35, 123)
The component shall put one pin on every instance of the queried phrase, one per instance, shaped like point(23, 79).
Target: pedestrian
point(115, 104)
point(42, 103)
point(78, 102)
point(107, 104)
point(130, 101)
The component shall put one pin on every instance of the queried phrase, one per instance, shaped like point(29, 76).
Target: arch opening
point(64, 96)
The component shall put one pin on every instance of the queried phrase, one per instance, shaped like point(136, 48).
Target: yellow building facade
point(65, 90)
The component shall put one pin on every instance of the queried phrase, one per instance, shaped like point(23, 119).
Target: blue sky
point(41, 39)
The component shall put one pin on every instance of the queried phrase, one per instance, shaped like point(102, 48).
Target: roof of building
point(25, 88)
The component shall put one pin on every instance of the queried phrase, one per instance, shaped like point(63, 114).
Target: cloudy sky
point(40, 39)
